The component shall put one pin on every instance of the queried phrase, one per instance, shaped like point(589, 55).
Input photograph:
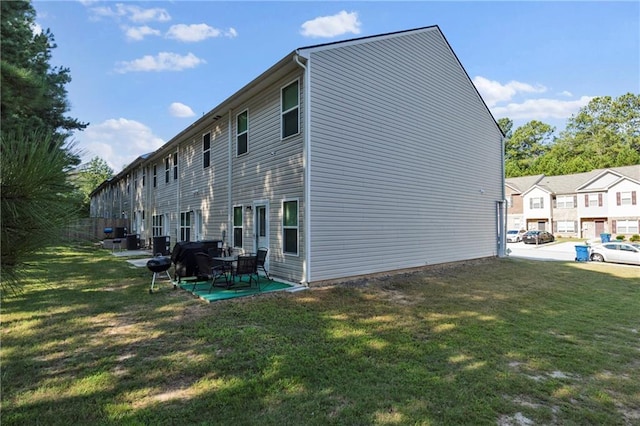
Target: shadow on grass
point(475, 343)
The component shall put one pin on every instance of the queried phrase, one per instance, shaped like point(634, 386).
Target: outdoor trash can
point(605, 238)
point(161, 245)
point(582, 253)
point(132, 241)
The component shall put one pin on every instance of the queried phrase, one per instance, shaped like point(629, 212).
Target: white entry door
point(261, 221)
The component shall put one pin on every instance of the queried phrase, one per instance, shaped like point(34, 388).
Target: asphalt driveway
point(549, 251)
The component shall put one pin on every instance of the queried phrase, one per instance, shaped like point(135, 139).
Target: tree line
point(604, 133)
point(43, 185)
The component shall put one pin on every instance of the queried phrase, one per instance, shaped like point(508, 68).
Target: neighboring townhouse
point(583, 204)
point(514, 187)
point(350, 158)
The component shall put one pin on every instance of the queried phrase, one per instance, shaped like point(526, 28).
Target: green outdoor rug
point(219, 293)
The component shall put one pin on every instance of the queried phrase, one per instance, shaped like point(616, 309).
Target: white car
point(617, 252)
point(514, 236)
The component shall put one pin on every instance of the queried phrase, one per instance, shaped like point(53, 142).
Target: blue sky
point(144, 71)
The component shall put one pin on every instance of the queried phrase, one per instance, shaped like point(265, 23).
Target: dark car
point(537, 237)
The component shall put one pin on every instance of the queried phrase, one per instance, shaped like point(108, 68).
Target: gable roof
point(569, 184)
point(522, 183)
point(304, 52)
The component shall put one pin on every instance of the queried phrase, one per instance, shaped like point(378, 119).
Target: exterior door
point(599, 227)
point(542, 226)
point(261, 220)
point(262, 226)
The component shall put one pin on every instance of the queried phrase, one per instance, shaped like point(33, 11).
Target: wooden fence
point(92, 228)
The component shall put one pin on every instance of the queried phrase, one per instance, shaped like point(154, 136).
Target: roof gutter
point(306, 155)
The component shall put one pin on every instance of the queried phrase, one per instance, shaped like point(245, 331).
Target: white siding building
point(349, 158)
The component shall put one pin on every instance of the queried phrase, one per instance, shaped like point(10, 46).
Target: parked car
point(617, 252)
point(514, 236)
point(537, 237)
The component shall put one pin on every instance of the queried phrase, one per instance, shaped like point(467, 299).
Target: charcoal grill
point(159, 265)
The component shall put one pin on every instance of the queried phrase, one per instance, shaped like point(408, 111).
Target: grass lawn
point(498, 341)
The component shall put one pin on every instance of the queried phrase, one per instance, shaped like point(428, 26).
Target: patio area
point(201, 289)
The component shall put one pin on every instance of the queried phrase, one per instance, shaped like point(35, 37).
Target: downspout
point(229, 183)
point(502, 252)
point(306, 163)
point(177, 192)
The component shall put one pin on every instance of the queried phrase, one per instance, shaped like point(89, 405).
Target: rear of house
point(356, 157)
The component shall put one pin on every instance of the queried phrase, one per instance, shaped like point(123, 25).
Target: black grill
point(158, 265)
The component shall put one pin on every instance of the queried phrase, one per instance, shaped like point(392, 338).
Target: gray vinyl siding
point(205, 189)
point(405, 158)
point(272, 170)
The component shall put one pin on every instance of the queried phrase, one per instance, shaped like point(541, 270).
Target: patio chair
point(262, 257)
point(211, 270)
point(247, 266)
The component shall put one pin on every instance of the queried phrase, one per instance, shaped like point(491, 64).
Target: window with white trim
point(156, 225)
point(566, 226)
point(627, 226)
point(242, 133)
point(155, 175)
point(237, 226)
point(625, 198)
point(593, 200)
point(185, 226)
point(175, 166)
point(206, 150)
point(565, 202)
point(536, 202)
point(290, 110)
point(290, 227)
point(167, 169)
point(144, 176)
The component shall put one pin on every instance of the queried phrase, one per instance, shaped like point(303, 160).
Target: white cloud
point(540, 109)
point(118, 141)
point(163, 61)
point(36, 28)
point(197, 32)
point(132, 13)
point(139, 33)
point(331, 26)
point(494, 92)
point(566, 93)
point(178, 109)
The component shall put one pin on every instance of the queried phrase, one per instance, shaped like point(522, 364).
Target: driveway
point(549, 251)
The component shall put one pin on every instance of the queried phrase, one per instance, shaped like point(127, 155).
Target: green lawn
point(487, 342)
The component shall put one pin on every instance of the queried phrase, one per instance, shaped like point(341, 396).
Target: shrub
point(620, 237)
point(634, 238)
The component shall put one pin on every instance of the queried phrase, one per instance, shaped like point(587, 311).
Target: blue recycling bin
point(582, 253)
point(605, 238)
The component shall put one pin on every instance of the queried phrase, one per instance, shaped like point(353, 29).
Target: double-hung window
point(565, 202)
point(627, 226)
point(566, 226)
point(290, 110)
point(242, 133)
point(290, 227)
point(627, 198)
point(185, 226)
point(167, 169)
point(593, 200)
point(536, 203)
point(156, 225)
point(237, 226)
point(175, 166)
point(155, 175)
point(206, 150)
